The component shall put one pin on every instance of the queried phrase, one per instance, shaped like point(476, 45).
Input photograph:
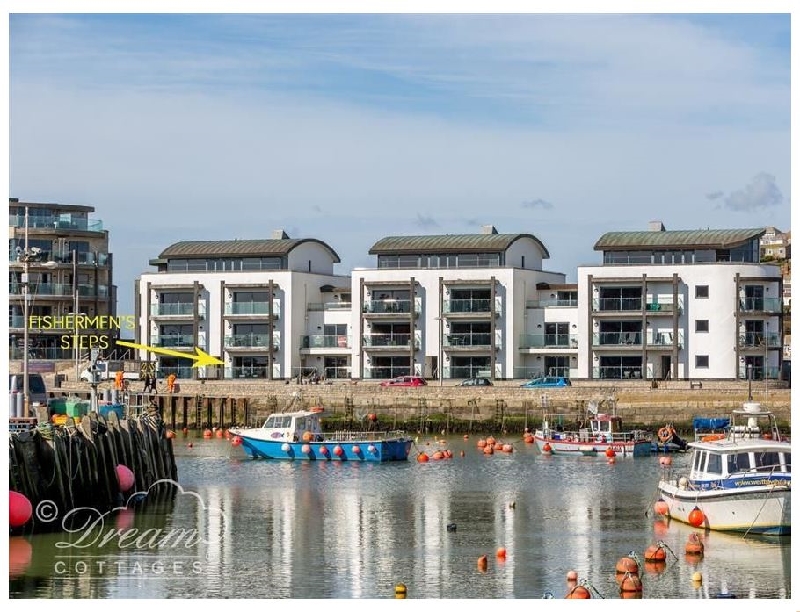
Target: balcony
point(470, 341)
point(176, 309)
point(566, 341)
point(319, 341)
point(253, 309)
point(765, 305)
point(665, 340)
point(617, 372)
point(259, 342)
point(379, 341)
point(335, 305)
point(632, 305)
point(390, 306)
point(65, 221)
point(552, 303)
point(471, 306)
point(625, 339)
point(173, 341)
point(664, 307)
point(16, 321)
point(758, 372)
point(750, 340)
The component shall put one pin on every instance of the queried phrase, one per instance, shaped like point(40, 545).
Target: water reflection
point(349, 530)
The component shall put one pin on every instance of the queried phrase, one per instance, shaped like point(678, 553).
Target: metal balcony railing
point(616, 304)
point(619, 338)
point(325, 341)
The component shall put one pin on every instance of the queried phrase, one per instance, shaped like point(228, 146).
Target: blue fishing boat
point(298, 435)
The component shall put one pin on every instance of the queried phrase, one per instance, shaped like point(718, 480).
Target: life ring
point(712, 437)
point(664, 435)
point(317, 409)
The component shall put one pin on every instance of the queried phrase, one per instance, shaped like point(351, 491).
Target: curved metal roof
point(710, 239)
point(450, 243)
point(194, 249)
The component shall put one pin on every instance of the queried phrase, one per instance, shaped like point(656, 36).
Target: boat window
point(286, 422)
point(271, 422)
point(714, 464)
point(699, 460)
point(738, 463)
point(767, 461)
point(787, 462)
point(300, 423)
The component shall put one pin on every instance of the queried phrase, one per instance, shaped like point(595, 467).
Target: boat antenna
point(592, 407)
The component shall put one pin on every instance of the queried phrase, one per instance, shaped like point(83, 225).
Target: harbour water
point(271, 529)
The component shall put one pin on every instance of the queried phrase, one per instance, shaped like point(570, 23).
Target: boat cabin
point(301, 426)
point(732, 461)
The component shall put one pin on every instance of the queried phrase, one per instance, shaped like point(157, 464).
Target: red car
point(405, 381)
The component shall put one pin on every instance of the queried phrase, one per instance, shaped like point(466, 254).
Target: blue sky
point(348, 128)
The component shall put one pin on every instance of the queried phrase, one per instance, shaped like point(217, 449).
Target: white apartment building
point(680, 304)
point(455, 306)
point(247, 302)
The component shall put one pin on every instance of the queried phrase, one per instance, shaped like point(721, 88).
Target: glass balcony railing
point(335, 305)
point(467, 306)
point(184, 309)
point(387, 340)
point(548, 341)
point(65, 221)
point(757, 373)
point(618, 338)
point(616, 304)
point(388, 306)
point(468, 340)
point(552, 302)
point(758, 339)
point(667, 307)
point(325, 341)
point(665, 339)
point(253, 341)
point(387, 372)
point(173, 340)
point(253, 308)
point(771, 305)
point(617, 372)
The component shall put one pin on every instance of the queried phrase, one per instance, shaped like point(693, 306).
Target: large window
point(701, 361)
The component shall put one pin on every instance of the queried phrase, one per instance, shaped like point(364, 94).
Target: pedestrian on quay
point(171, 382)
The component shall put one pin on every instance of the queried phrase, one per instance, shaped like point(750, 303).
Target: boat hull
point(638, 448)
point(763, 510)
point(378, 451)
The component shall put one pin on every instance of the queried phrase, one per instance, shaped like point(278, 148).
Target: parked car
point(547, 381)
point(405, 381)
point(476, 382)
point(36, 387)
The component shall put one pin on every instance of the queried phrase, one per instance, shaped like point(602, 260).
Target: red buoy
point(170, 434)
point(547, 449)
point(338, 451)
point(236, 441)
point(306, 449)
point(501, 553)
point(696, 517)
point(631, 583)
point(627, 565)
point(578, 592)
point(661, 507)
point(207, 433)
point(610, 452)
point(655, 554)
point(694, 546)
point(422, 458)
point(19, 509)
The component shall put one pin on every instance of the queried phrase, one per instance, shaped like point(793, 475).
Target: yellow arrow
point(201, 358)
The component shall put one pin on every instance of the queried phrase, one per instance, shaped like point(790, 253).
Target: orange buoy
point(696, 517)
point(547, 449)
point(207, 433)
point(631, 583)
point(488, 449)
point(490, 440)
point(694, 546)
point(438, 455)
point(482, 563)
point(507, 448)
point(338, 451)
point(661, 507)
point(572, 575)
point(610, 452)
point(665, 461)
point(323, 450)
point(170, 434)
point(655, 554)
point(578, 592)
point(631, 595)
point(481, 443)
point(220, 433)
point(422, 458)
point(501, 553)
point(660, 528)
point(627, 565)
point(654, 567)
point(307, 435)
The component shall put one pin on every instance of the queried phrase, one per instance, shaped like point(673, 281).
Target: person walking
point(171, 382)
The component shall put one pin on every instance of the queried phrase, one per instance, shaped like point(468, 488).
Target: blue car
point(547, 381)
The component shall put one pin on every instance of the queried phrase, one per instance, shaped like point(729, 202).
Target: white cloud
point(762, 192)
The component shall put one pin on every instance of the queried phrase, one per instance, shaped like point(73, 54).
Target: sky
point(352, 127)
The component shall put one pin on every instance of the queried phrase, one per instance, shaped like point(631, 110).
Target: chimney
point(488, 229)
point(279, 234)
point(656, 226)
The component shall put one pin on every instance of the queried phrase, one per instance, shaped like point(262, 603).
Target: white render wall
point(719, 309)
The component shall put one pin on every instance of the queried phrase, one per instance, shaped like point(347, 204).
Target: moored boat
point(299, 435)
point(668, 441)
point(592, 437)
point(741, 482)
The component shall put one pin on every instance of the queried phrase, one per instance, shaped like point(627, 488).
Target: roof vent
point(279, 234)
point(488, 229)
point(656, 226)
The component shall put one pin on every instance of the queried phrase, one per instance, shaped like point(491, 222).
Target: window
point(701, 325)
point(714, 464)
point(701, 361)
point(767, 461)
point(701, 291)
point(738, 463)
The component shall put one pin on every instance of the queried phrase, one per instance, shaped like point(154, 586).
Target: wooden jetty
point(74, 466)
